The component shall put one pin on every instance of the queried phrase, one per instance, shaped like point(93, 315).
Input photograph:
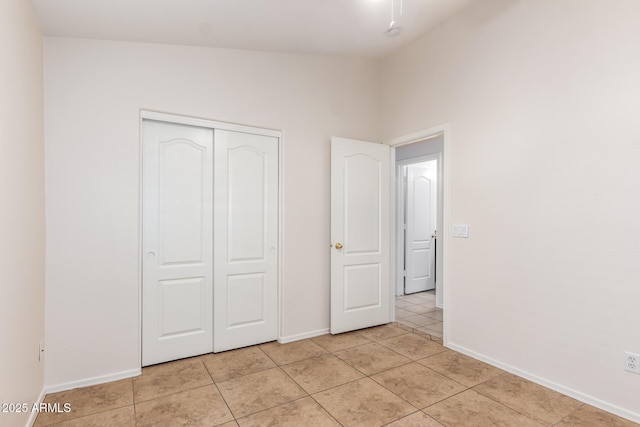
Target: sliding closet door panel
point(246, 237)
point(177, 243)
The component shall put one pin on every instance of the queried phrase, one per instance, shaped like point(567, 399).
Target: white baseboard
point(303, 336)
point(582, 397)
point(32, 417)
point(92, 381)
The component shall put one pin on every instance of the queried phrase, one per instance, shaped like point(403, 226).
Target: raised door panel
point(421, 209)
point(247, 205)
point(362, 287)
point(182, 307)
point(362, 187)
point(245, 300)
point(181, 184)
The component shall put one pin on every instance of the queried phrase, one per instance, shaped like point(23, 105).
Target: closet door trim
point(193, 121)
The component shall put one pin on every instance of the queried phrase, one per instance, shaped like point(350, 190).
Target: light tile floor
point(418, 311)
point(398, 375)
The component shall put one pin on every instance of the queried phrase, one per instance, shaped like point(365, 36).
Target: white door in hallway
point(177, 241)
point(421, 211)
point(360, 232)
point(246, 239)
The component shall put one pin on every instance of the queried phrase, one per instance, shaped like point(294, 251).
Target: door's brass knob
point(338, 245)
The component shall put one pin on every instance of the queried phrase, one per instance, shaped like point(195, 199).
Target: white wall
point(22, 235)
point(543, 102)
point(93, 93)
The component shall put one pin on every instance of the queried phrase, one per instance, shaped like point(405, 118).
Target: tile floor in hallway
point(419, 312)
point(396, 375)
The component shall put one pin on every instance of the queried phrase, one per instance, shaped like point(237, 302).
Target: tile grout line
point(406, 416)
point(309, 395)
point(219, 392)
point(54, 422)
point(243, 375)
point(366, 376)
point(175, 392)
point(422, 409)
point(133, 398)
point(568, 415)
point(504, 404)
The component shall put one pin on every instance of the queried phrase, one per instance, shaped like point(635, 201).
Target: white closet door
point(246, 236)
point(177, 268)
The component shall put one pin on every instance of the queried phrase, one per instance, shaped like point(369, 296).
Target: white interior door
point(360, 231)
point(246, 237)
point(420, 226)
point(177, 218)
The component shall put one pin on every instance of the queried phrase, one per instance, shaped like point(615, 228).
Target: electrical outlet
point(632, 362)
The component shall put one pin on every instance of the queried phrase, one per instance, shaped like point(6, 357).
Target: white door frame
point(444, 236)
point(401, 207)
point(193, 121)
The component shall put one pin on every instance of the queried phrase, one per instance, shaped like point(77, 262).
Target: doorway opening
point(363, 222)
point(420, 240)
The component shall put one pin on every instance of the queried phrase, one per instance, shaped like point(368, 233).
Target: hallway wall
point(542, 100)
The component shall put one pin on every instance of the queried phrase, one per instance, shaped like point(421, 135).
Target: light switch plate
point(460, 230)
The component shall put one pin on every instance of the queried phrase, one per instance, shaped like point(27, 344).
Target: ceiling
point(334, 27)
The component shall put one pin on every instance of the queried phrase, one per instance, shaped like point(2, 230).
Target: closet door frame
point(212, 124)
